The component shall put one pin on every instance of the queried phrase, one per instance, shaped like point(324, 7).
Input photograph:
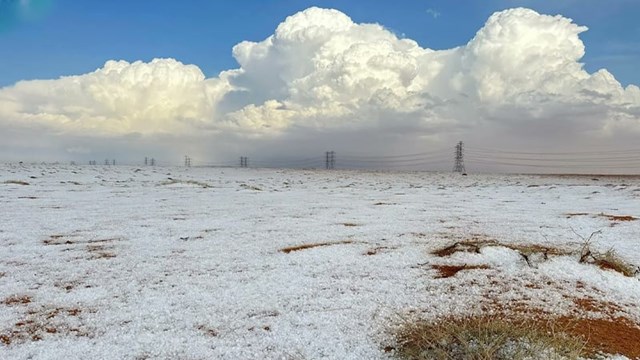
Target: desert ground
point(125, 262)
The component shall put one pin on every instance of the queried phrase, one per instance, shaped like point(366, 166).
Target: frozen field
point(175, 263)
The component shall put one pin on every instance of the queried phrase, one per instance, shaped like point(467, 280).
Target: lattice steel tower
point(459, 159)
point(330, 159)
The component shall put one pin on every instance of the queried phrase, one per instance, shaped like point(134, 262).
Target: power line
point(503, 151)
point(391, 157)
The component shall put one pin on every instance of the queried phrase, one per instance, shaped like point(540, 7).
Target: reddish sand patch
point(447, 271)
point(311, 246)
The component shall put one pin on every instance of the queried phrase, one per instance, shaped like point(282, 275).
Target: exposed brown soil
point(376, 250)
point(208, 330)
point(589, 304)
point(614, 336)
point(614, 218)
point(66, 240)
point(311, 246)
point(16, 182)
point(610, 333)
point(38, 323)
point(619, 217)
point(57, 240)
point(447, 271)
point(570, 215)
point(17, 300)
point(100, 251)
point(102, 255)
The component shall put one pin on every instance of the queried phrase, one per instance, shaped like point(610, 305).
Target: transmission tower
point(330, 159)
point(187, 161)
point(244, 161)
point(459, 159)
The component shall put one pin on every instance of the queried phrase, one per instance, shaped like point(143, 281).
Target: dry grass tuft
point(530, 249)
point(447, 271)
point(526, 251)
point(607, 261)
point(186, 182)
point(349, 224)
point(611, 261)
point(471, 246)
point(311, 246)
point(250, 187)
point(484, 337)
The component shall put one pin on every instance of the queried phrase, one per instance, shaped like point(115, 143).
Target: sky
point(221, 79)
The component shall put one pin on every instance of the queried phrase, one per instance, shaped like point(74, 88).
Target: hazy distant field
point(199, 263)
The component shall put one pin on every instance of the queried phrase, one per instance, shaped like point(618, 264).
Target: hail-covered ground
point(100, 262)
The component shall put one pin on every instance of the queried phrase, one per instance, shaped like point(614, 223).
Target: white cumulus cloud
point(162, 96)
point(519, 77)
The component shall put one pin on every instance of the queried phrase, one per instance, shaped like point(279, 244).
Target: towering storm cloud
point(320, 74)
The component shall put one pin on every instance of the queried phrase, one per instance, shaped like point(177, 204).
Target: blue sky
point(67, 37)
